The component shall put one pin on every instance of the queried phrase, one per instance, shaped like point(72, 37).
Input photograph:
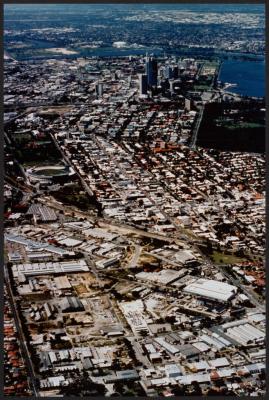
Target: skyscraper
point(188, 104)
point(169, 72)
point(171, 83)
point(152, 71)
point(175, 72)
point(99, 89)
point(143, 84)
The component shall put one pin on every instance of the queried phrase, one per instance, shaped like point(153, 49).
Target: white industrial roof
point(201, 365)
point(133, 312)
point(188, 379)
point(245, 333)
point(167, 346)
point(163, 277)
point(50, 268)
point(70, 242)
point(184, 255)
point(256, 317)
point(170, 368)
point(219, 362)
point(211, 289)
point(212, 342)
point(201, 346)
point(62, 282)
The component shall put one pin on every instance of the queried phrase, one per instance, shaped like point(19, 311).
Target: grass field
point(221, 258)
point(232, 125)
point(200, 87)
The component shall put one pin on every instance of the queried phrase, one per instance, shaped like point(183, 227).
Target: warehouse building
point(245, 334)
point(126, 375)
point(62, 282)
point(164, 277)
point(172, 370)
point(49, 268)
point(133, 312)
point(211, 289)
point(71, 304)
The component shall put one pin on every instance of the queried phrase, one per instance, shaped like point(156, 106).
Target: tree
point(84, 385)
point(179, 391)
point(197, 391)
point(119, 387)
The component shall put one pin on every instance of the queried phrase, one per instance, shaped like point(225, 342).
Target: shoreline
point(110, 52)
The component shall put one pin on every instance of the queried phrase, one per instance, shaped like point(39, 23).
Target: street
point(23, 345)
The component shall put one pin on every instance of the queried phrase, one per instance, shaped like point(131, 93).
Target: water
point(248, 75)
point(123, 52)
point(111, 19)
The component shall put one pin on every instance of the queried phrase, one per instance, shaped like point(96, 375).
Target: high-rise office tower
point(171, 83)
point(168, 72)
point(188, 104)
point(152, 71)
point(143, 84)
point(175, 72)
point(99, 89)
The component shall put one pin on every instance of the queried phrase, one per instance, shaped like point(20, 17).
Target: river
point(249, 77)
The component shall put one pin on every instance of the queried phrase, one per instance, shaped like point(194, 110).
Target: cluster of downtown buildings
point(159, 287)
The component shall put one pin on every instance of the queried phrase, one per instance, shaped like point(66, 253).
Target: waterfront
point(249, 76)
point(247, 71)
